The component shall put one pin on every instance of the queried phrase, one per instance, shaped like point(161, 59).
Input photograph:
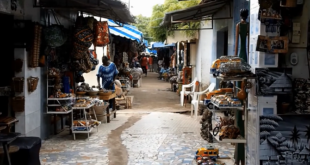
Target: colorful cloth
point(144, 61)
point(150, 60)
point(107, 73)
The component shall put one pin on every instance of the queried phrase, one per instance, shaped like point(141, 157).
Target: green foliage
point(141, 22)
point(160, 33)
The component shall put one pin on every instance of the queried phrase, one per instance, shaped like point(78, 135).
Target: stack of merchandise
point(301, 95)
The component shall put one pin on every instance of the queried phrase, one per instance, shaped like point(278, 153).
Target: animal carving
point(229, 132)
point(226, 121)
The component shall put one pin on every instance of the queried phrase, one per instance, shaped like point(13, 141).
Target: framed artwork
point(273, 81)
point(262, 43)
point(285, 138)
point(278, 44)
point(267, 60)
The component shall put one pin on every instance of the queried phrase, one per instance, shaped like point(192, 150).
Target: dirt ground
point(154, 96)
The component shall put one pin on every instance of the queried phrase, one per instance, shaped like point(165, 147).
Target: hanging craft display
point(32, 83)
point(18, 65)
point(55, 35)
point(18, 84)
point(102, 32)
point(274, 44)
point(35, 48)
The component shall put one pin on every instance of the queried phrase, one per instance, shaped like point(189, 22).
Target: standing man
point(144, 64)
point(151, 63)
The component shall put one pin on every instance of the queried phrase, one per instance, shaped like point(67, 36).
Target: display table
point(83, 129)
point(108, 98)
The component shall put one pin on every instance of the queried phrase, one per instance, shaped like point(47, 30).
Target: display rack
point(88, 128)
point(217, 108)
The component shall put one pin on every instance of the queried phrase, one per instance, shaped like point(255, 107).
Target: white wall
point(207, 46)
point(91, 77)
point(30, 120)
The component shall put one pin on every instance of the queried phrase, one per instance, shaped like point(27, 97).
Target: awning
point(111, 9)
point(150, 51)
point(158, 45)
point(126, 31)
point(200, 12)
point(146, 43)
point(170, 45)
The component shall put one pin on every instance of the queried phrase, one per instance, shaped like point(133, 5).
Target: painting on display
point(17, 7)
point(278, 44)
point(273, 81)
point(262, 43)
point(284, 139)
point(5, 6)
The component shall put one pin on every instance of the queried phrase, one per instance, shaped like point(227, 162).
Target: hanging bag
point(102, 29)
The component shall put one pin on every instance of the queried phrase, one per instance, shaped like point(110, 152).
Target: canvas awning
point(126, 31)
point(111, 9)
point(205, 11)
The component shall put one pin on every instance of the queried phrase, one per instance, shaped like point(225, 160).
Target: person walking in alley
point(107, 72)
point(151, 63)
point(144, 64)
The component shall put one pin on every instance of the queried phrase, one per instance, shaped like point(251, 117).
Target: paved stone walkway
point(166, 138)
point(157, 138)
point(63, 150)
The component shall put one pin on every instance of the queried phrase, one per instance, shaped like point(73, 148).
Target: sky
point(143, 7)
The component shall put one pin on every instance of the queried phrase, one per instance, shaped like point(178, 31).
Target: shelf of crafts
point(234, 78)
point(239, 139)
point(227, 107)
point(57, 99)
point(83, 107)
point(88, 131)
point(59, 113)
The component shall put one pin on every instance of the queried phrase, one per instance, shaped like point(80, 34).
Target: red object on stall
point(102, 31)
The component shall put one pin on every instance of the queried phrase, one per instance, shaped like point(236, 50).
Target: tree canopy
point(141, 22)
point(159, 33)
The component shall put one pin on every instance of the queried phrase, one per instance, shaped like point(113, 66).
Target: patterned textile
point(102, 33)
point(107, 73)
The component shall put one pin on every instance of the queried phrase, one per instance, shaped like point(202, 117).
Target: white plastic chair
point(196, 99)
point(136, 77)
point(186, 93)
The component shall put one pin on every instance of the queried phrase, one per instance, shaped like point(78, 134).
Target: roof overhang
point(205, 11)
point(111, 9)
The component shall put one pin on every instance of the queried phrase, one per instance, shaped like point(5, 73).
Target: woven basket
point(104, 93)
point(18, 104)
point(32, 83)
point(18, 84)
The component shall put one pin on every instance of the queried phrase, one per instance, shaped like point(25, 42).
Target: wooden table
point(8, 122)
point(108, 98)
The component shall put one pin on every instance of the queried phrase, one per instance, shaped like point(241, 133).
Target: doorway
point(222, 42)
point(221, 45)
point(7, 58)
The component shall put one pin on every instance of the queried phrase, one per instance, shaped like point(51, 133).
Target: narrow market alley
point(149, 133)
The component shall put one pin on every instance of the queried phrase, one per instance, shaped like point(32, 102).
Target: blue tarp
point(173, 44)
point(146, 43)
point(150, 51)
point(158, 45)
point(126, 31)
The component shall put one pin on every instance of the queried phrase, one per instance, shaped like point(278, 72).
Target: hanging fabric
point(102, 30)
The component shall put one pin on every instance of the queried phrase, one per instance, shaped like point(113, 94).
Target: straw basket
point(18, 84)
point(100, 112)
point(32, 83)
point(18, 104)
